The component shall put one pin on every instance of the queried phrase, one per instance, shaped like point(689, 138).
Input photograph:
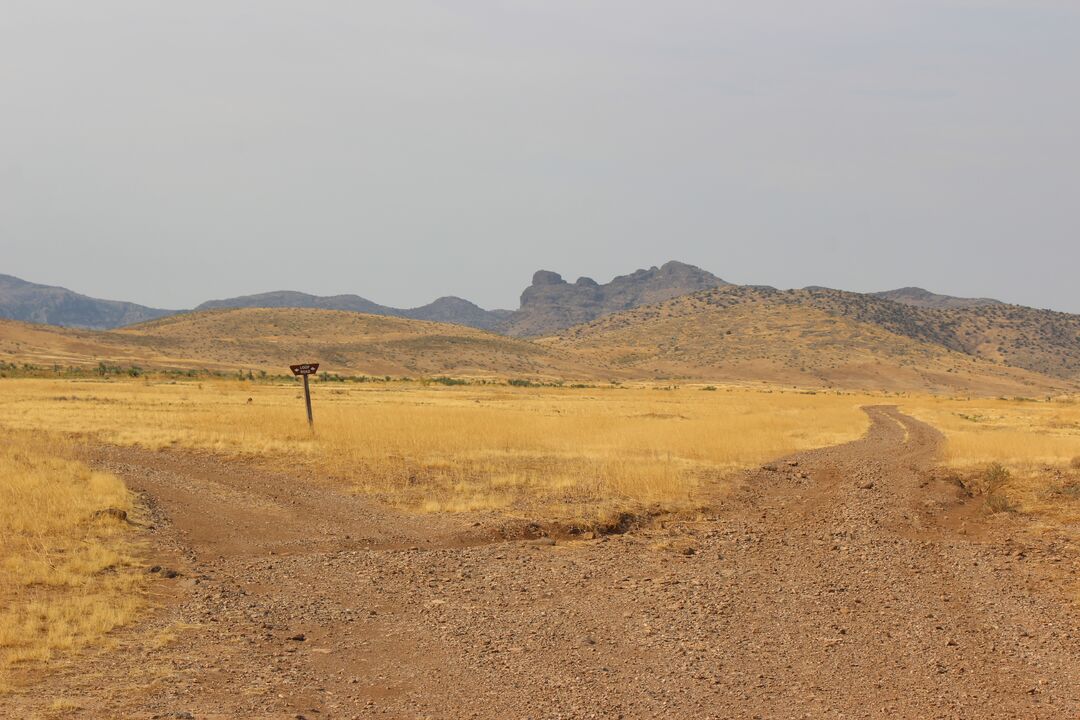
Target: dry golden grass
point(1036, 442)
point(66, 573)
point(553, 451)
point(544, 452)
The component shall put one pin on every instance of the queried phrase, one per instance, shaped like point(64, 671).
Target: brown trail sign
point(304, 370)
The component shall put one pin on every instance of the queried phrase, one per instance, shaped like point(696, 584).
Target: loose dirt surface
point(846, 582)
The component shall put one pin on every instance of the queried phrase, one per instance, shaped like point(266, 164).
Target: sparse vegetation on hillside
point(1042, 341)
point(736, 333)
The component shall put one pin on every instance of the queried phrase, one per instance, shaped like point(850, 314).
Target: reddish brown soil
point(850, 585)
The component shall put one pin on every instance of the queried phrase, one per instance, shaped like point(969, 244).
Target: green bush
point(443, 380)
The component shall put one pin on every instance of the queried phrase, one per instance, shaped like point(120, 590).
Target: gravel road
point(849, 582)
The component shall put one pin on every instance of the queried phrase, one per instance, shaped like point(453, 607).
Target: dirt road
point(845, 582)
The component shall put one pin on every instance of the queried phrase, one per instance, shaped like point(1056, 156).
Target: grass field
point(1035, 443)
point(66, 570)
point(559, 452)
point(569, 452)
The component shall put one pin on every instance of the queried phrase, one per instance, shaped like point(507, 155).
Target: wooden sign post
point(304, 370)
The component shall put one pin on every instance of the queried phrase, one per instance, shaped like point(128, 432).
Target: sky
point(169, 153)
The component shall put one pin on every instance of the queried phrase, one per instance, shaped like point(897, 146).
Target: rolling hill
point(1042, 341)
point(271, 339)
point(727, 334)
point(811, 337)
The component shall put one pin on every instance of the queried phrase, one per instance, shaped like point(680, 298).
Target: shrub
point(994, 479)
point(1075, 464)
point(995, 476)
point(103, 369)
point(443, 380)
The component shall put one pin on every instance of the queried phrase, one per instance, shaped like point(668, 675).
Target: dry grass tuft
point(995, 480)
point(63, 705)
point(66, 575)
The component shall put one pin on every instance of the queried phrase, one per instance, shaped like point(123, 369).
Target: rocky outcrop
point(551, 304)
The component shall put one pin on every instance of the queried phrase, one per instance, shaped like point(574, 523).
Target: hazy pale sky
point(168, 153)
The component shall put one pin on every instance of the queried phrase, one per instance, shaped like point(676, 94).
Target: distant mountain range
point(673, 321)
point(548, 305)
point(446, 309)
point(48, 305)
point(924, 298)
